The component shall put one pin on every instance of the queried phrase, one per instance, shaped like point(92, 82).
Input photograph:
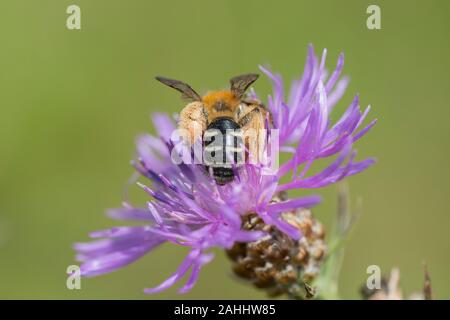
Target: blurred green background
point(72, 103)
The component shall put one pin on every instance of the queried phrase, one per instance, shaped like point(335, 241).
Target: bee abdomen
point(222, 146)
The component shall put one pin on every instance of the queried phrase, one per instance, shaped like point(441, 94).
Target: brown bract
point(277, 263)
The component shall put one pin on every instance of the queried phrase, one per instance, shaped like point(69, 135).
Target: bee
point(228, 113)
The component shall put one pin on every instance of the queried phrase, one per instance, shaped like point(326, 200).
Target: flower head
point(188, 208)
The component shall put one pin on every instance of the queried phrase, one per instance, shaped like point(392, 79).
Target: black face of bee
point(224, 145)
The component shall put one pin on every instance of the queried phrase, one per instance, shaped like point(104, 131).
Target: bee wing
point(187, 92)
point(240, 84)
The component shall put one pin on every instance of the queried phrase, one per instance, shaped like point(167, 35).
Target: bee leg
point(193, 120)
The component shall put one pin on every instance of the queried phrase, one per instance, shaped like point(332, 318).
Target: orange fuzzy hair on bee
point(226, 96)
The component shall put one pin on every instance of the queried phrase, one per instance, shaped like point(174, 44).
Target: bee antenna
point(186, 91)
point(240, 84)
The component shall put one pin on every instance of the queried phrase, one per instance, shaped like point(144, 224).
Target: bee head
point(228, 100)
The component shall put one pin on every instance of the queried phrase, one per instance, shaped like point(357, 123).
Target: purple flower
point(188, 208)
